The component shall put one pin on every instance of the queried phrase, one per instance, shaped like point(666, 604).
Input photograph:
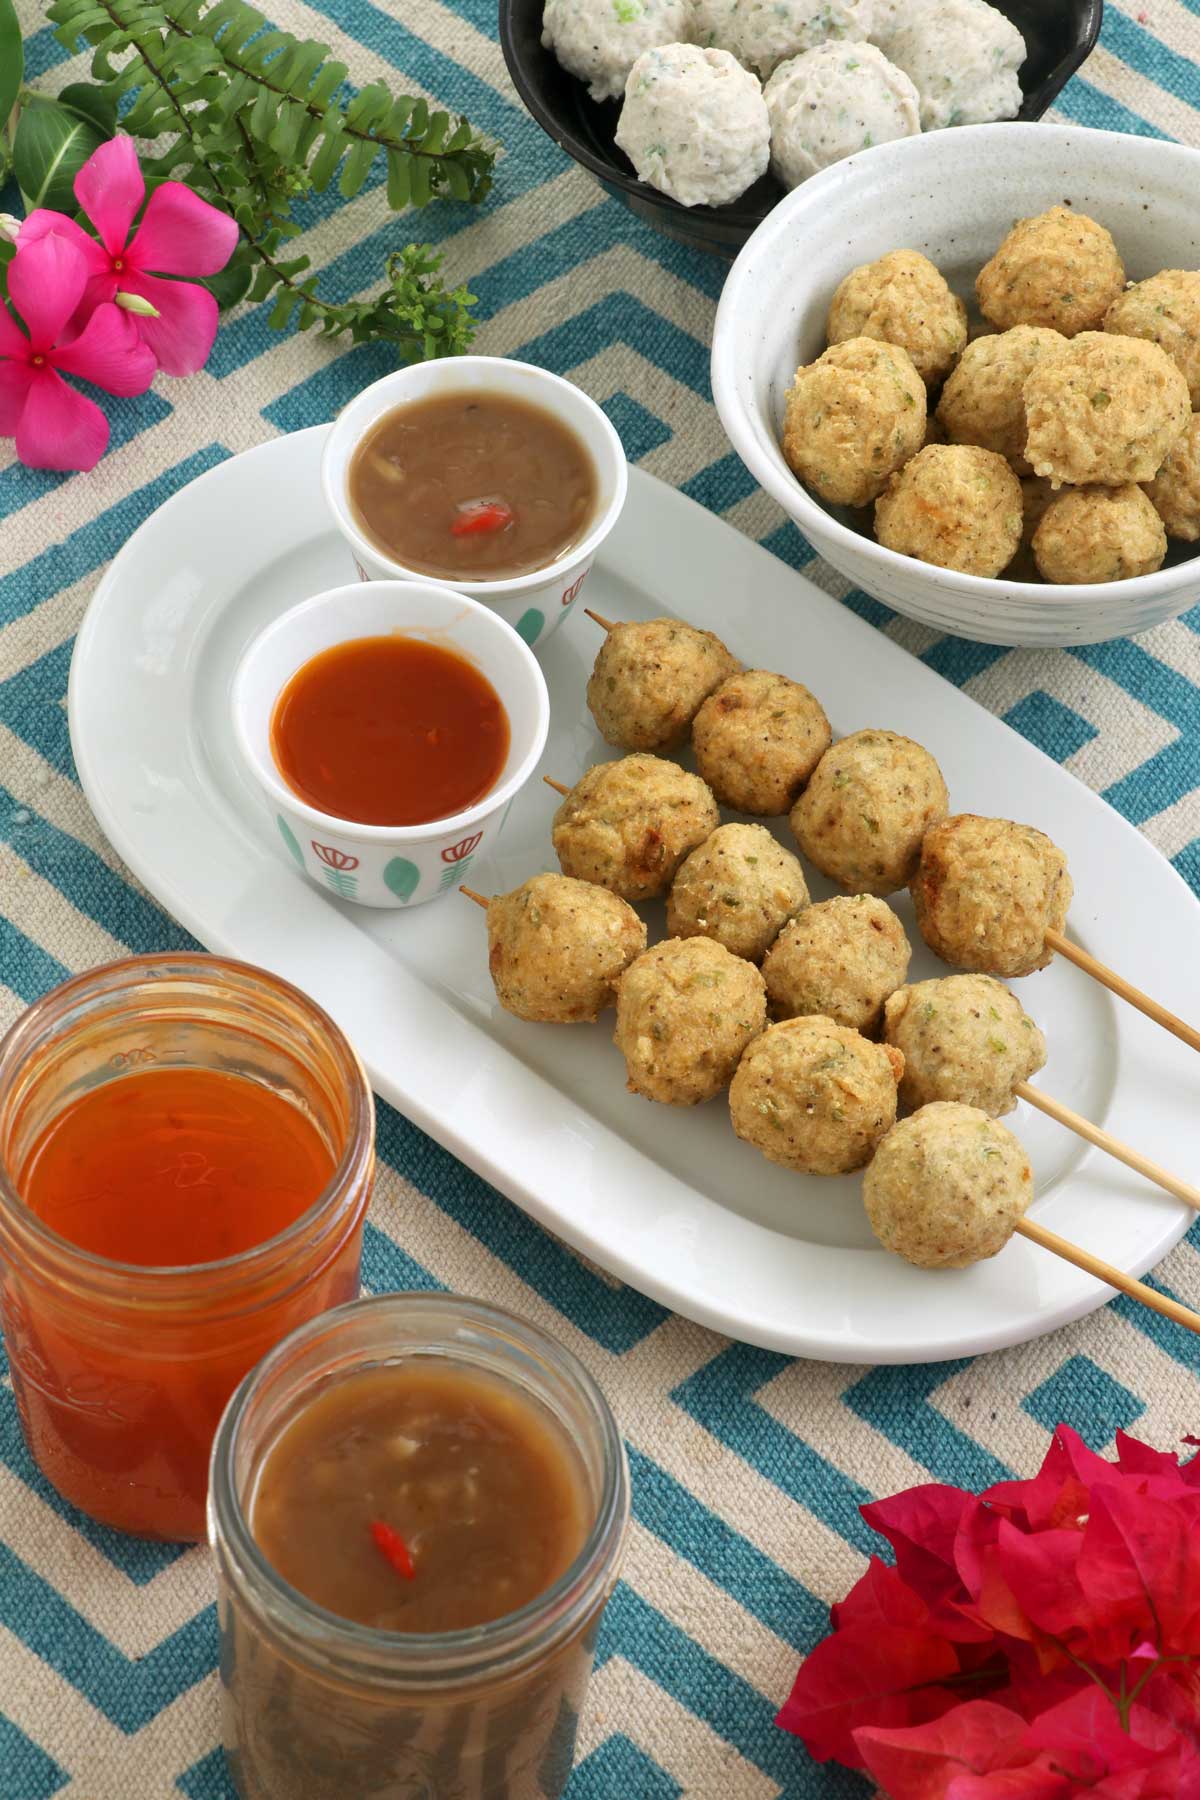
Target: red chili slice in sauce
point(479, 516)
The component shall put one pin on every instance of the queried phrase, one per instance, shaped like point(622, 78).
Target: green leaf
point(421, 182)
point(357, 167)
point(231, 284)
point(12, 60)
point(398, 181)
point(51, 146)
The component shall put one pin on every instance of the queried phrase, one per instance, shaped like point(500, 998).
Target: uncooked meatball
point(599, 42)
point(986, 893)
point(1165, 309)
point(815, 1096)
point(686, 1010)
point(764, 33)
point(964, 1038)
point(854, 416)
point(757, 740)
point(650, 679)
point(1099, 534)
point(832, 101)
point(841, 959)
point(868, 805)
point(902, 299)
point(948, 1187)
point(628, 825)
point(1175, 491)
point(1059, 269)
point(1107, 409)
point(983, 402)
point(694, 124)
point(962, 55)
point(556, 948)
point(739, 888)
point(955, 506)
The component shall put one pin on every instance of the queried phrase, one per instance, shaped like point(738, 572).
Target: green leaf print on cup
point(403, 878)
point(531, 625)
point(289, 838)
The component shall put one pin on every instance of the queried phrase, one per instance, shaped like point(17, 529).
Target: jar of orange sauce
point(121, 1366)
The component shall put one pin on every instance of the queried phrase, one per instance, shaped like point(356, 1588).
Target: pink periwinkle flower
point(180, 234)
point(55, 426)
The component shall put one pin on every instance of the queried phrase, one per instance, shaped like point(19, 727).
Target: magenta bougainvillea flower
point(180, 234)
point(55, 426)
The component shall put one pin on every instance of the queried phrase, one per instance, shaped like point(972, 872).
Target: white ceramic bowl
point(952, 195)
point(534, 604)
point(389, 865)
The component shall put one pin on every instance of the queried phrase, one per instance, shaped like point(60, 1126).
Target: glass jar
point(318, 1708)
point(121, 1371)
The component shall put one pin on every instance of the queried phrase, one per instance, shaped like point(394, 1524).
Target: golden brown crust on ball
point(947, 1187)
point(1059, 269)
point(1166, 310)
point(815, 1097)
point(1107, 410)
point(902, 299)
point(987, 891)
point(650, 679)
point(627, 825)
point(965, 1038)
point(853, 416)
point(840, 959)
point(757, 740)
point(1175, 491)
point(955, 506)
point(686, 1010)
point(868, 805)
point(556, 948)
point(739, 888)
point(983, 402)
point(1099, 534)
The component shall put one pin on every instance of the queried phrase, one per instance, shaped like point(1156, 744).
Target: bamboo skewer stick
point(1123, 989)
point(1104, 1140)
point(1111, 1276)
point(599, 619)
point(479, 899)
point(556, 785)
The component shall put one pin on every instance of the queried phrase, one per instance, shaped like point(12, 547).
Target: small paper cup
point(389, 865)
point(536, 603)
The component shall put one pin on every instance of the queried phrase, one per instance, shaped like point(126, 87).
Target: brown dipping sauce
point(389, 731)
point(474, 485)
point(483, 1489)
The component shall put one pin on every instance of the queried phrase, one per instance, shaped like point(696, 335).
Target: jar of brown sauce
point(397, 1405)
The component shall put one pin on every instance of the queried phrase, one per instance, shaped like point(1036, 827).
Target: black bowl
point(1059, 33)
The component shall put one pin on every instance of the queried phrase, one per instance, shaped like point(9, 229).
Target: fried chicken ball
point(955, 506)
point(686, 1010)
point(1036, 495)
point(739, 888)
point(650, 679)
point(1059, 269)
point(599, 42)
point(694, 124)
point(556, 948)
point(1099, 534)
point(815, 1096)
point(870, 801)
point(1175, 491)
point(964, 1038)
point(1165, 309)
point(902, 299)
point(983, 401)
point(1108, 410)
point(757, 740)
point(947, 1187)
point(840, 959)
point(853, 417)
point(628, 825)
point(834, 100)
point(986, 893)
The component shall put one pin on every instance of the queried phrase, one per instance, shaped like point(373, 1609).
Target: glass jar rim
point(434, 1656)
point(139, 1282)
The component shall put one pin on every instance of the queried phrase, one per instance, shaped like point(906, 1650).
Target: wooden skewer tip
point(599, 619)
point(556, 785)
point(479, 899)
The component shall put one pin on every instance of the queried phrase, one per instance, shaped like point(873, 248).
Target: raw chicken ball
point(1175, 490)
point(650, 679)
point(903, 300)
point(832, 101)
point(983, 401)
point(962, 56)
point(600, 40)
point(1059, 269)
point(757, 740)
point(686, 1010)
point(964, 1038)
point(628, 825)
point(955, 506)
point(1106, 409)
point(854, 416)
point(841, 958)
point(739, 888)
point(986, 893)
point(694, 124)
point(815, 1096)
point(764, 33)
point(1165, 309)
point(556, 948)
point(866, 809)
point(1099, 534)
point(947, 1187)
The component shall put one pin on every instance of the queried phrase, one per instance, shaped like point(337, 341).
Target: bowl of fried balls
point(976, 388)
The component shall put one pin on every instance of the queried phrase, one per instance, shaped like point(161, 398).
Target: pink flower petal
point(15, 380)
point(59, 428)
point(42, 222)
point(45, 283)
point(110, 352)
point(13, 341)
point(110, 188)
point(182, 336)
point(181, 234)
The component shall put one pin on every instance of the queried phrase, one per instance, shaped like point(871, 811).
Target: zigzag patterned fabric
point(745, 1504)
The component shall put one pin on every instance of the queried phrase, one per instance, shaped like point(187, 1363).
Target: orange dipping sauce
point(389, 731)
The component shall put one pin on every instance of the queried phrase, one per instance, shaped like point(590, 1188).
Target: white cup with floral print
point(389, 865)
point(537, 602)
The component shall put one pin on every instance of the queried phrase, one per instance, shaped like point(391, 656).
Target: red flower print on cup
point(457, 852)
point(334, 859)
point(572, 593)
